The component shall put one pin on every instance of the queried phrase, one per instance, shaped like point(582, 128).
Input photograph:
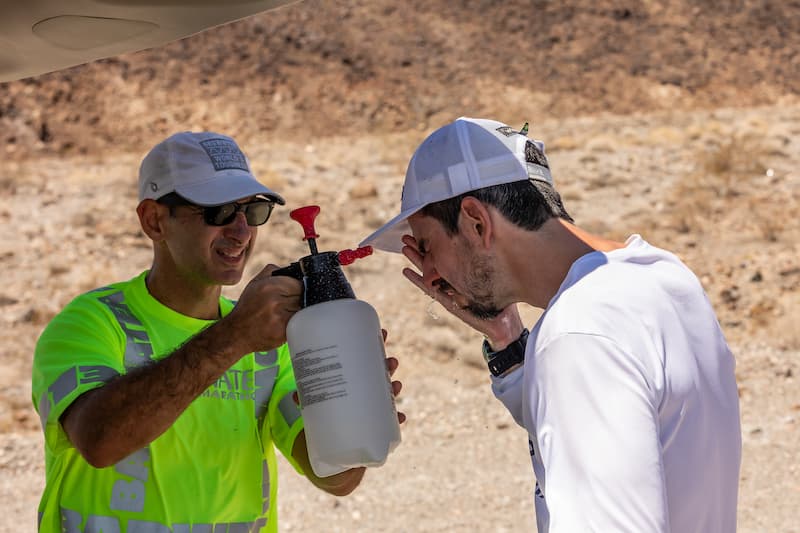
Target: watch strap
point(500, 361)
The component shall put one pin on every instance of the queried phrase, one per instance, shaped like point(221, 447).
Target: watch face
point(487, 352)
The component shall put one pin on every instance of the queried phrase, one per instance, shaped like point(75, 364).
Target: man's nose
point(430, 276)
point(238, 227)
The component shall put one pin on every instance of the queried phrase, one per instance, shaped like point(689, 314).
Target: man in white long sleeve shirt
point(625, 384)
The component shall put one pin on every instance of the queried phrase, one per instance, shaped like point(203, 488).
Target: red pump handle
point(348, 256)
point(305, 216)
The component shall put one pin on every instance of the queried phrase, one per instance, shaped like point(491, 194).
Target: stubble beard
point(481, 289)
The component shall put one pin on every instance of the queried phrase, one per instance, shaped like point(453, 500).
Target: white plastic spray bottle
point(339, 362)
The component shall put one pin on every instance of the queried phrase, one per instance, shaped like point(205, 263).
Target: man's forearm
point(109, 423)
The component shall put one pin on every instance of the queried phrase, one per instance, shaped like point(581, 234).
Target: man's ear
point(475, 221)
point(151, 218)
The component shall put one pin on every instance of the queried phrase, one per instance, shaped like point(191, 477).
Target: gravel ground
point(697, 183)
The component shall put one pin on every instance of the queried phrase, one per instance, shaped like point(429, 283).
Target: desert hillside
point(676, 120)
point(365, 67)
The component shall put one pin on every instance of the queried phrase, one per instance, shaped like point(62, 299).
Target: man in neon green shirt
point(160, 399)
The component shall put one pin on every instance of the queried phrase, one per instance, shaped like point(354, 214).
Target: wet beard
point(479, 285)
point(484, 312)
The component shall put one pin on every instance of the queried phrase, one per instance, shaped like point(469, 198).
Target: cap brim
point(389, 236)
point(237, 185)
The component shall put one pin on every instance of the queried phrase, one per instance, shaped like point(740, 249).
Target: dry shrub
point(563, 143)
point(716, 189)
point(768, 225)
point(732, 160)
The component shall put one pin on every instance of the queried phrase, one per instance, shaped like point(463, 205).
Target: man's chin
point(483, 312)
point(230, 274)
point(229, 278)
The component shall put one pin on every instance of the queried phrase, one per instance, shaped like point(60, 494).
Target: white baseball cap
point(465, 155)
point(206, 168)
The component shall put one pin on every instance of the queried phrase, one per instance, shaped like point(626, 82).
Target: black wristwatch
point(499, 362)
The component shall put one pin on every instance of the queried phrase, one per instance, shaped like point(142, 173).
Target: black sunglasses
point(256, 212)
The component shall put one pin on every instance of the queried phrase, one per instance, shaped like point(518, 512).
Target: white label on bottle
point(318, 374)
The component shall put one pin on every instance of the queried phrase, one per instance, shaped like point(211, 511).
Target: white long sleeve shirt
point(629, 398)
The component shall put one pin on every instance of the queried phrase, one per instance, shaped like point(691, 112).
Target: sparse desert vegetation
point(651, 127)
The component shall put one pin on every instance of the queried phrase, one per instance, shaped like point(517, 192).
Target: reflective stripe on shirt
point(71, 522)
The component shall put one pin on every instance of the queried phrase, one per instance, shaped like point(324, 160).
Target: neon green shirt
point(213, 470)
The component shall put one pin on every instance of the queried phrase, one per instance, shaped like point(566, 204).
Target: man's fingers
point(409, 241)
point(413, 255)
point(267, 271)
point(416, 279)
point(396, 388)
point(391, 365)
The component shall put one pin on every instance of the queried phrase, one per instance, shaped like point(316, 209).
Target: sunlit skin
point(192, 259)
point(443, 269)
point(449, 262)
point(491, 264)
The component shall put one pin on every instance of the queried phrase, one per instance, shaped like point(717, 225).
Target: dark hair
point(528, 204)
point(172, 200)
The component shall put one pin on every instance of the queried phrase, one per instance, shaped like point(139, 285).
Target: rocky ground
point(649, 128)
